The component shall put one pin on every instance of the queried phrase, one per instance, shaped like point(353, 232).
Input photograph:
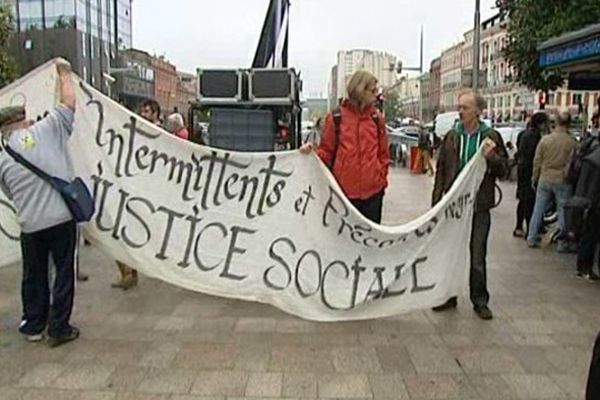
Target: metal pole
point(421, 82)
point(476, 45)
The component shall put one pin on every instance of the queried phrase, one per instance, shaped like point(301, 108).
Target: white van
point(444, 122)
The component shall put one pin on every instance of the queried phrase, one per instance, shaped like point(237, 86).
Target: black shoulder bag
point(76, 195)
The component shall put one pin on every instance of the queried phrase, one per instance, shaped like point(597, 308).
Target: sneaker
point(533, 245)
point(38, 337)
point(69, 337)
point(451, 303)
point(518, 233)
point(592, 277)
point(484, 312)
point(580, 274)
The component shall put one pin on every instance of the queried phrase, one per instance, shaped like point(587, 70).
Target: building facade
point(137, 84)
point(427, 112)
point(435, 76)
point(451, 77)
point(186, 92)
point(88, 33)
point(409, 96)
point(166, 81)
point(382, 65)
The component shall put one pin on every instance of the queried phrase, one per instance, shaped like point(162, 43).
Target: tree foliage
point(391, 106)
point(8, 71)
point(535, 21)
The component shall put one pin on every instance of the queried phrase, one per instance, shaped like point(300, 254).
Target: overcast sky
point(225, 33)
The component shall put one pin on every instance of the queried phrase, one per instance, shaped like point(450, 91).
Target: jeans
point(371, 208)
point(478, 246)
point(60, 243)
point(544, 195)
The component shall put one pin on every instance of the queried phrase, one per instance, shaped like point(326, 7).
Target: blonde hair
point(357, 85)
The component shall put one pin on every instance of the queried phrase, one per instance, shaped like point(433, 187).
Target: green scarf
point(469, 144)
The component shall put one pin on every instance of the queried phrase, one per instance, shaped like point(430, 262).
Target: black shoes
point(451, 303)
point(483, 312)
point(59, 340)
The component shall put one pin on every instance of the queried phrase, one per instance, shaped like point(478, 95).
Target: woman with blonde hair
point(354, 146)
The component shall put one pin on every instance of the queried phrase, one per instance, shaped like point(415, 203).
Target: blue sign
point(571, 52)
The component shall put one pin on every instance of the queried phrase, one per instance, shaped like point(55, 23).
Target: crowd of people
point(353, 144)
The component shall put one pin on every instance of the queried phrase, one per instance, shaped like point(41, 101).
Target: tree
point(534, 21)
point(8, 71)
point(391, 106)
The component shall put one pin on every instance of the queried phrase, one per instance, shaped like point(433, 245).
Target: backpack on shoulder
point(337, 122)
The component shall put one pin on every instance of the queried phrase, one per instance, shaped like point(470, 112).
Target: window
point(551, 99)
point(559, 99)
point(577, 98)
point(85, 74)
point(28, 45)
point(83, 45)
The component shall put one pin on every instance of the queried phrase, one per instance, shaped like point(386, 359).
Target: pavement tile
point(433, 360)
point(388, 386)
point(126, 378)
point(160, 355)
point(46, 394)
point(256, 325)
point(491, 386)
point(220, 383)
point(395, 359)
point(344, 386)
point(253, 357)
point(42, 375)
point(300, 359)
point(264, 385)
point(12, 393)
point(167, 381)
point(206, 356)
point(533, 386)
point(428, 386)
point(355, 359)
point(573, 385)
point(84, 376)
point(488, 361)
point(299, 385)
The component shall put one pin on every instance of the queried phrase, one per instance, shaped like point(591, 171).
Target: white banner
point(268, 227)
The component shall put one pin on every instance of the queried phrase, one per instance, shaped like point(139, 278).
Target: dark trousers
point(525, 210)
point(588, 245)
point(60, 243)
point(593, 385)
point(478, 246)
point(371, 207)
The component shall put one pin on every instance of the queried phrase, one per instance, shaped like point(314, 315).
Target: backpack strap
point(337, 122)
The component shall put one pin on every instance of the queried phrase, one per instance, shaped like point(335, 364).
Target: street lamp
point(476, 45)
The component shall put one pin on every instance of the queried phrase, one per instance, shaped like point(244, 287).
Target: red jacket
point(363, 157)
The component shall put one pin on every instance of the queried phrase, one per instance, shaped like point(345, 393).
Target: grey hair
point(479, 100)
point(176, 121)
point(563, 119)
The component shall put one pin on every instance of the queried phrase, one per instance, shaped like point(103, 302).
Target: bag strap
point(337, 122)
point(21, 160)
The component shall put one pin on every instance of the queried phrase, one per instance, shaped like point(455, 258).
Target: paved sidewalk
point(161, 342)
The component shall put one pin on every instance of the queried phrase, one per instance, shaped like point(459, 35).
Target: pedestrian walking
point(527, 143)
point(47, 226)
point(354, 145)
point(458, 147)
point(425, 151)
point(128, 276)
point(549, 165)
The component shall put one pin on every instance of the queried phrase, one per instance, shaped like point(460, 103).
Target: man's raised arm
point(67, 91)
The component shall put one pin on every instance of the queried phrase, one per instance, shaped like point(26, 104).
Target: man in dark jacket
point(458, 147)
point(527, 142)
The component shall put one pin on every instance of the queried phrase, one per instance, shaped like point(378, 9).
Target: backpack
point(575, 162)
point(337, 122)
point(586, 199)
